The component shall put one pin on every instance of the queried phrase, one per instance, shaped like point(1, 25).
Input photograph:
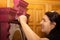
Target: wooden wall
point(6, 3)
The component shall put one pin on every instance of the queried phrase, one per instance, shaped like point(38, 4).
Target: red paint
point(9, 14)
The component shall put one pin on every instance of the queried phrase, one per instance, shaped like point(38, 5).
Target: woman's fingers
point(22, 18)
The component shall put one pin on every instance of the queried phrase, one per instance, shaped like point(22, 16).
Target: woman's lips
point(42, 27)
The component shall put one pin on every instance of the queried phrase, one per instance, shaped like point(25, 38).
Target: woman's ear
point(53, 24)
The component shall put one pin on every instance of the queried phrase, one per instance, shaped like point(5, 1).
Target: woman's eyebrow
point(43, 19)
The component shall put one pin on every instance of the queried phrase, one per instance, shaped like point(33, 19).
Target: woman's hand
point(22, 18)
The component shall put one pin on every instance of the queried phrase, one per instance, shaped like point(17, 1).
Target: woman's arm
point(27, 30)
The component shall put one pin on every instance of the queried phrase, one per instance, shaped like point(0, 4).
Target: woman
point(50, 25)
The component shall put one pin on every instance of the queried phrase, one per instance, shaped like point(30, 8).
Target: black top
point(54, 35)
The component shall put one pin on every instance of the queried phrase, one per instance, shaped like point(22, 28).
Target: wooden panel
point(56, 8)
point(17, 35)
point(10, 3)
point(6, 3)
point(3, 3)
point(36, 12)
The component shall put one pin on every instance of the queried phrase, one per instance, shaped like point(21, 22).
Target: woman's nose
point(40, 23)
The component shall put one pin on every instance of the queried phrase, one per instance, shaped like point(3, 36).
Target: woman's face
point(46, 25)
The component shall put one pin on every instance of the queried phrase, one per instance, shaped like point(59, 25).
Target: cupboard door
point(36, 12)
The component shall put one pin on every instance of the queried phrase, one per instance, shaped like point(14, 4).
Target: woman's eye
point(44, 20)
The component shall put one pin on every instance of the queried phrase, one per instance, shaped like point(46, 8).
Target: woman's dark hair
point(54, 17)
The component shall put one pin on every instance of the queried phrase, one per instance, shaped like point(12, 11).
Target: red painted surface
point(4, 32)
point(6, 15)
point(9, 14)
